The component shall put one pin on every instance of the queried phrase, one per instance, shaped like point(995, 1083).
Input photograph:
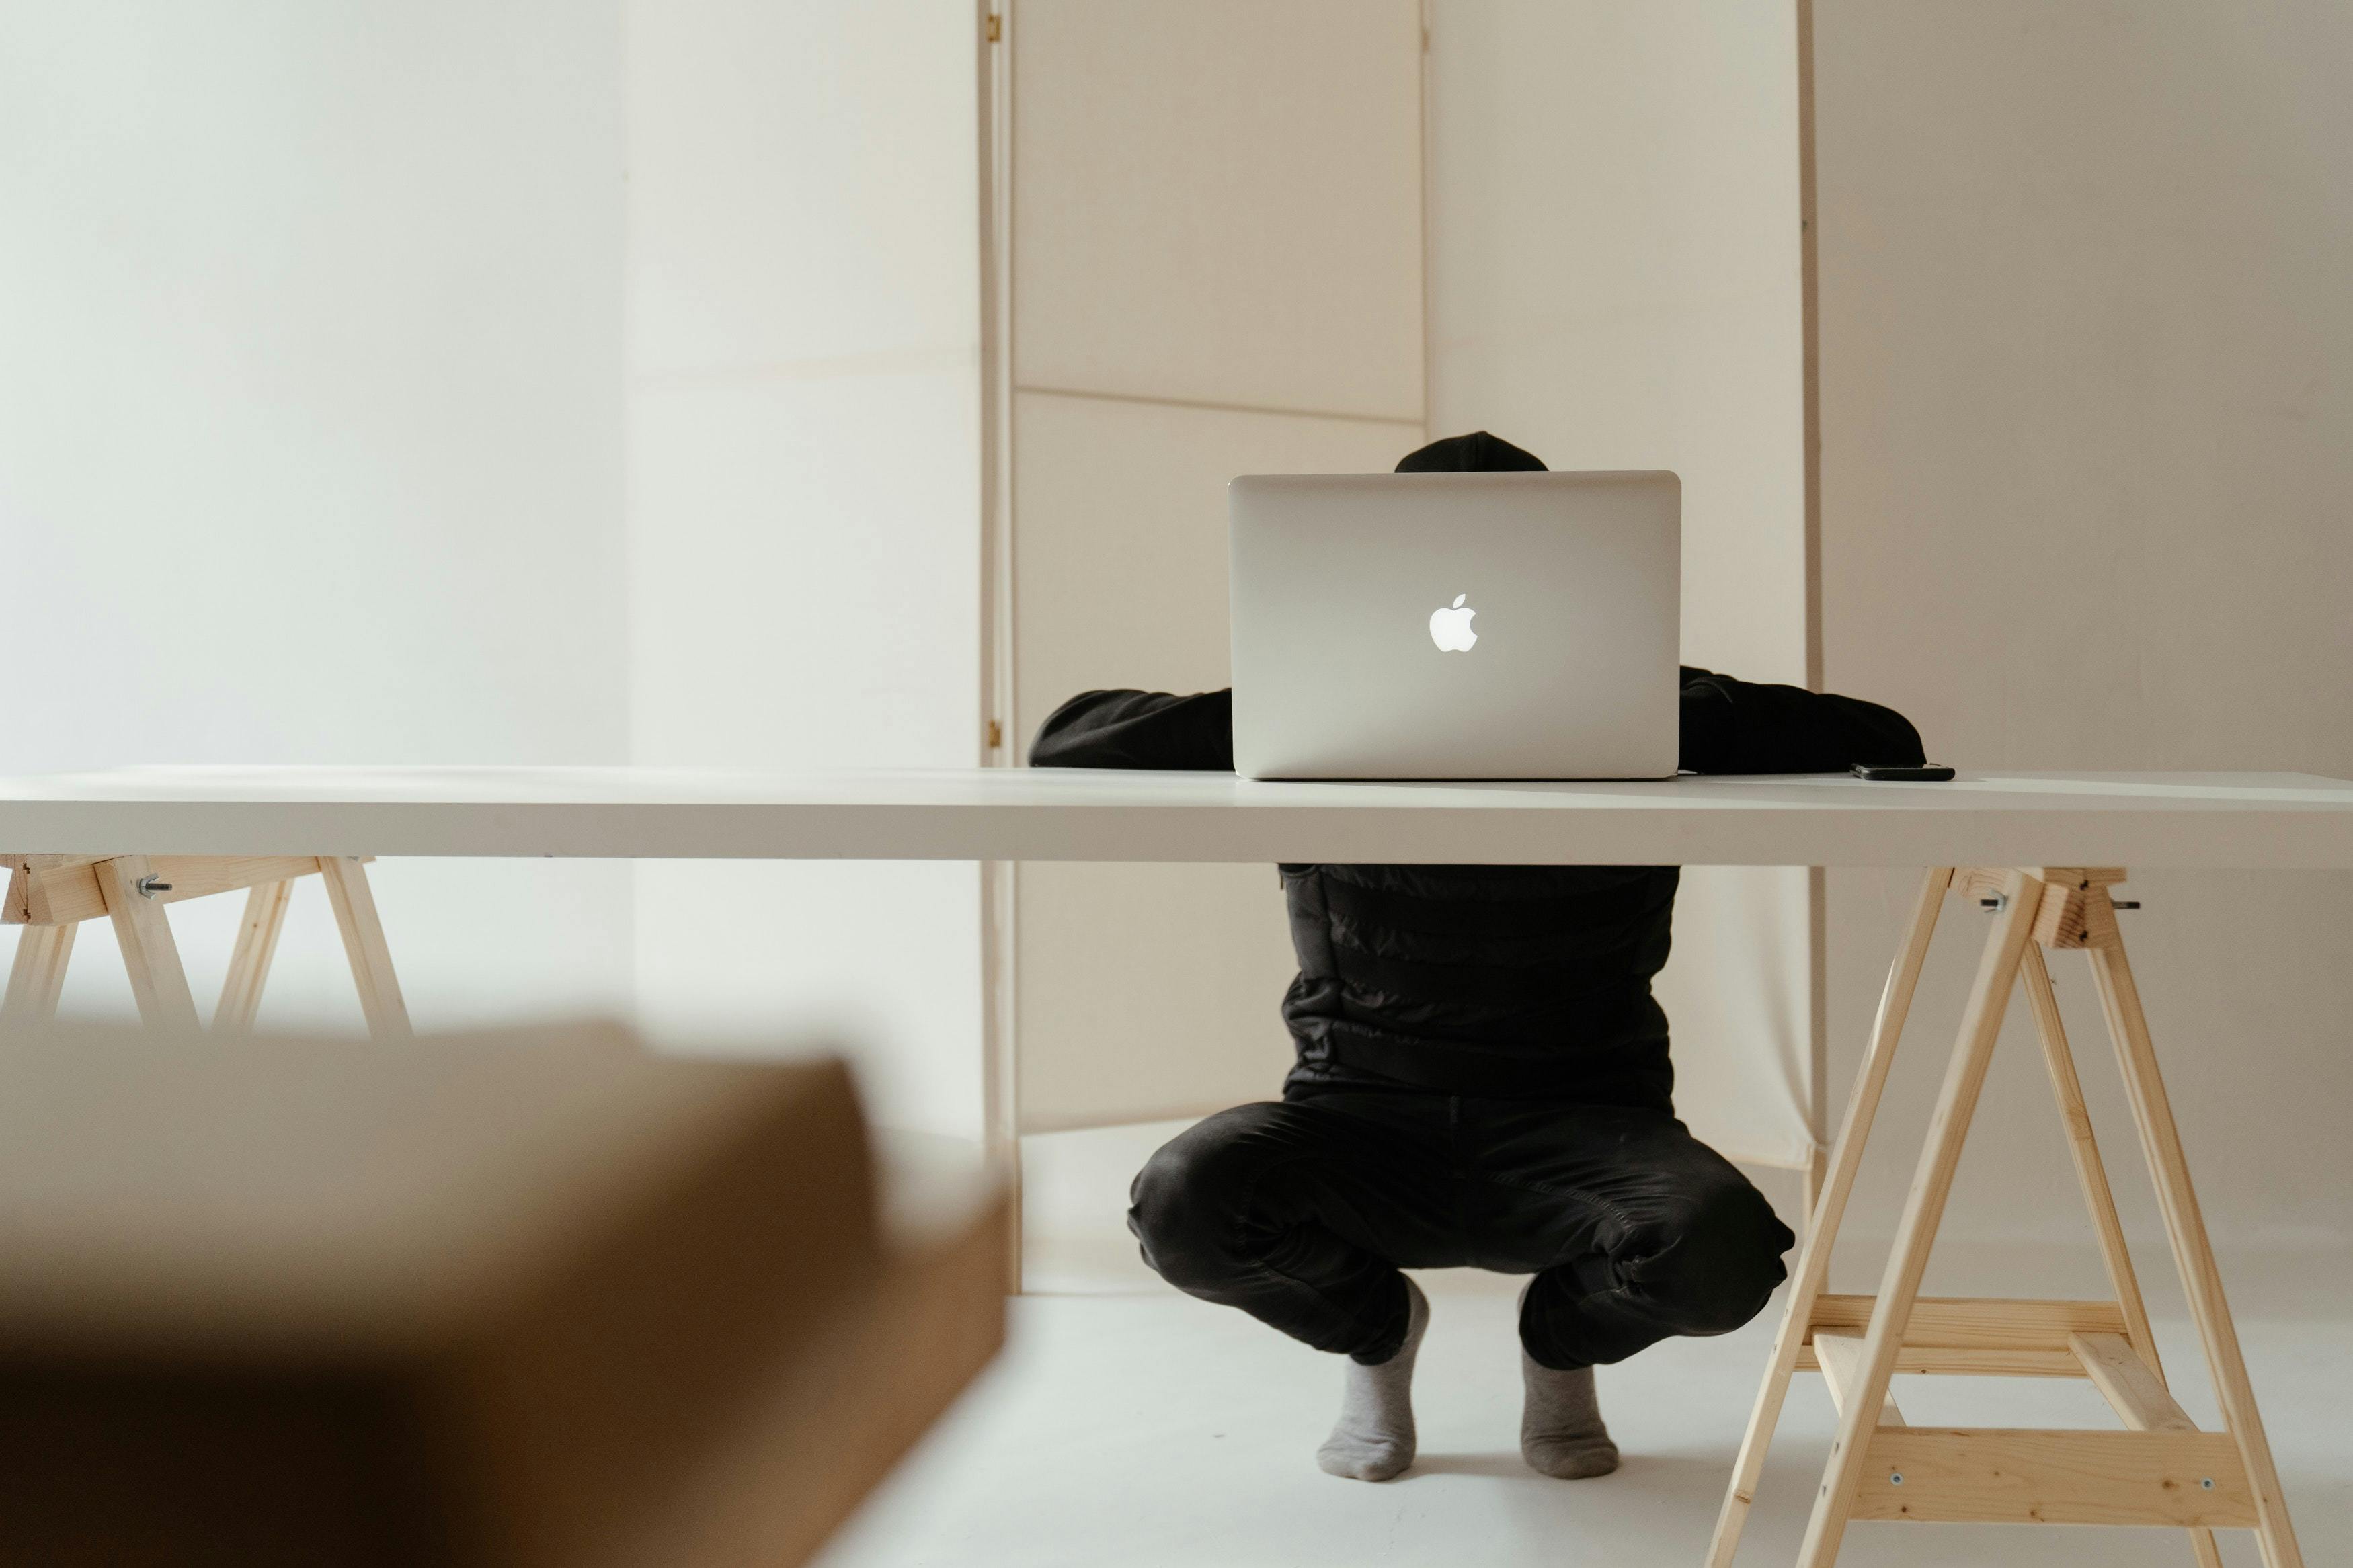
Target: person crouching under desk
point(1482, 1079)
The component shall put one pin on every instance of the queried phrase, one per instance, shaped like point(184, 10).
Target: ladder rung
point(1993, 1475)
point(1962, 1322)
point(1951, 1360)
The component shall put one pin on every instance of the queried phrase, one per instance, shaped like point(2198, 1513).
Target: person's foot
point(1373, 1439)
point(1561, 1433)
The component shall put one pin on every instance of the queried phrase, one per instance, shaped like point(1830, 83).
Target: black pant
point(1301, 1213)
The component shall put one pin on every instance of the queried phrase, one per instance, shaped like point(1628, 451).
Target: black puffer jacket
point(1509, 982)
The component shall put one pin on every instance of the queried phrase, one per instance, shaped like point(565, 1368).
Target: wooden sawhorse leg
point(2101, 1361)
point(130, 885)
point(50, 895)
point(37, 975)
point(249, 961)
point(1829, 1209)
point(2159, 1470)
point(363, 946)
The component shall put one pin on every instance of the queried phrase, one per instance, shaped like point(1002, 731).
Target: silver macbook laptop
point(1504, 626)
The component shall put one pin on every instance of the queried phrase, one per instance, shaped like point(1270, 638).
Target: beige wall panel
point(1614, 285)
point(2087, 462)
point(1738, 994)
point(1120, 534)
point(800, 186)
point(804, 478)
point(1219, 201)
point(1150, 991)
point(1145, 991)
point(778, 522)
point(1614, 275)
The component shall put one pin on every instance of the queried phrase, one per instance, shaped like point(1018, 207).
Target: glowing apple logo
point(1451, 629)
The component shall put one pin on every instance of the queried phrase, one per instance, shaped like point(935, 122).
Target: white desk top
point(2252, 820)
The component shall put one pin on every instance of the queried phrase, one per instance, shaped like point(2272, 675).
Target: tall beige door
point(1213, 266)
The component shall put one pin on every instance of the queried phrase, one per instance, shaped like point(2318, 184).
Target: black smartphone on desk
point(1880, 773)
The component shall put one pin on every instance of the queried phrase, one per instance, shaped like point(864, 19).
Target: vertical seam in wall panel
point(1810, 399)
point(1009, 542)
point(1429, 356)
point(1809, 349)
point(1000, 1102)
point(990, 282)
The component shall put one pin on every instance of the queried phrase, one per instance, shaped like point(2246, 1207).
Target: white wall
point(803, 513)
point(2087, 466)
point(1614, 283)
point(352, 408)
point(311, 425)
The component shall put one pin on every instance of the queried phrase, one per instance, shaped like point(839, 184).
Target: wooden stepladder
point(2160, 1469)
point(51, 895)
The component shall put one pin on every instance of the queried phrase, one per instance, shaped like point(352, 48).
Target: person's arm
point(1138, 730)
point(1742, 727)
point(1728, 726)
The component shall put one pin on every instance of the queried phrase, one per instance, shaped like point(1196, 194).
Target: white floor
point(1128, 1425)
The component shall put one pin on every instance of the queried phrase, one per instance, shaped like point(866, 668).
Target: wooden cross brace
point(51, 895)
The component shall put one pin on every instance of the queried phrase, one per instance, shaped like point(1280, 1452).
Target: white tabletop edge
point(1999, 816)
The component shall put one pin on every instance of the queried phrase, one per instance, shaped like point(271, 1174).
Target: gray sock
point(1373, 1439)
point(1561, 1432)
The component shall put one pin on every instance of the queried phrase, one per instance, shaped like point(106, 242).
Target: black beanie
point(1477, 453)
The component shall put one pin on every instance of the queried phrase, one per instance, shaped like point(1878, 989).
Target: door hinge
point(996, 734)
point(995, 26)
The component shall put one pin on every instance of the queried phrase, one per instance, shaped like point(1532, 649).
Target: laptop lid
point(1500, 626)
